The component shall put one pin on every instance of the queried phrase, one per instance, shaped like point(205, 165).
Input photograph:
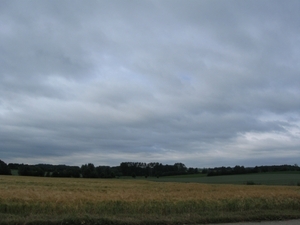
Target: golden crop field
point(33, 199)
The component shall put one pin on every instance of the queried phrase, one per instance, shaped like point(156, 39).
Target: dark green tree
point(4, 169)
point(24, 170)
point(55, 174)
point(89, 171)
point(74, 171)
point(30, 170)
point(180, 168)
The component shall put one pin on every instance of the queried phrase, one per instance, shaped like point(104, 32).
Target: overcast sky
point(206, 83)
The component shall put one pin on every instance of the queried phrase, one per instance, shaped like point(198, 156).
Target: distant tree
point(74, 172)
point(124, 168)
point(4, 169)
point(30, 170)
point(192, 170)
point(13, 166)
point(55, 174)
point(204, 171)
point(112, 175)
point(180, 168)
point(239, 169)
point(24, 170)
point(89, 171)
point(153, 169)
point(37, 171)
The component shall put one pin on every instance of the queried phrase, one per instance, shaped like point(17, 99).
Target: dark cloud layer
point(206, 83)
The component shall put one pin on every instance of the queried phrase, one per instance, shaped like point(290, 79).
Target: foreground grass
point(30, 200)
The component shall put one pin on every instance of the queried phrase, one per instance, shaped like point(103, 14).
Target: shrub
point(250, 182)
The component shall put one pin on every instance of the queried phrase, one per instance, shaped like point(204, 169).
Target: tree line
point(219, 171)
point(48, 170)
point(155, 169)
point(133, 169)
point(89, 170)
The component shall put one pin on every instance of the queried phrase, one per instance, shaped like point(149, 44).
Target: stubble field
point(31, 200)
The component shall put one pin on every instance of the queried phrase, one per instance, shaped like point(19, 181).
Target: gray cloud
point(206, 83)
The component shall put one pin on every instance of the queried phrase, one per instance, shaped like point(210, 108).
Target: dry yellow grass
point(38, 197)
point(95, 190)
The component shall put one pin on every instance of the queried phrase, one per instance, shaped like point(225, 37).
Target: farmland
point(289, 178)
point(33, 200)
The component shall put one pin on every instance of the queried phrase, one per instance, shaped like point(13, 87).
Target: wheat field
point(24, 199)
